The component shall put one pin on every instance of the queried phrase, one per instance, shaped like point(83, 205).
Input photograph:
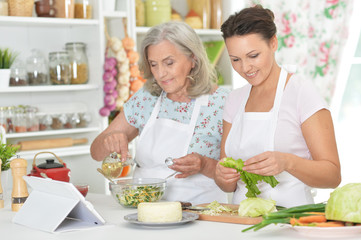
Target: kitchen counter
point(118, 228)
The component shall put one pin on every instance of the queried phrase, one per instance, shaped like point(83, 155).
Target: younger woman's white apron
point(162, 138)
point(253, 133)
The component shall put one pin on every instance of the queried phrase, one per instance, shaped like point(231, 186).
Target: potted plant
point(7, 151)
point(7, 58)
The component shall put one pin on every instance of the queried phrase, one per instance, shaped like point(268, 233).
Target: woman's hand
point(226, 178)
point(117, 142)
point(188, 165)
point(266, 164)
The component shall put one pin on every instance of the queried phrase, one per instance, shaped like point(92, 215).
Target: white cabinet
point(22, 34)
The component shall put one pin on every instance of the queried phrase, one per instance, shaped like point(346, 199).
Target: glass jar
point(20, 120)
point(157, 11)
point(84, 120)
point(4, 8)
point(45, 122)
point(83, 9)
point(59, 68)
point(18, 74)
point(71, 120)
point(79, 62)
point(10, 118)
point(3, 118)
point(37, 69)
point(139, 13)
point(32, 121)
point(58, 121)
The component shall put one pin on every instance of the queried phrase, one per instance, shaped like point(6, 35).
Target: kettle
point(51, 169)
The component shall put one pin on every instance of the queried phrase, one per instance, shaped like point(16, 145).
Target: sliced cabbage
point(255, 207)
point(344, 203)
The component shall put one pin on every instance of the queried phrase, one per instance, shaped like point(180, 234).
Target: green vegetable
point(7, 151)
point(250, 179)
point(254, 207)
point(131, 197)
point(284, 215)
point(344, 204)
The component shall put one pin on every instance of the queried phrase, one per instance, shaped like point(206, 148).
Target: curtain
point(311, 34)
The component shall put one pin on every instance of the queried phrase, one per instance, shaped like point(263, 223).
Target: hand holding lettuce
point(250, 179)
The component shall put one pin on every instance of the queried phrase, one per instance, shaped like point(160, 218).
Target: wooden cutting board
point(228, 217)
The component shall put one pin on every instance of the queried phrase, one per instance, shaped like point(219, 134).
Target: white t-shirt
point(300, 101)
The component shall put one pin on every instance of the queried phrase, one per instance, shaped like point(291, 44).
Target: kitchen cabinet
point(50, 34)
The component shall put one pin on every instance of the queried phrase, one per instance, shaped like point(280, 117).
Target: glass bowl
point(131, 192)
point(82, 188)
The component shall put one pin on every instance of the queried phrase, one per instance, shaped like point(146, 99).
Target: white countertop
point(118, 228)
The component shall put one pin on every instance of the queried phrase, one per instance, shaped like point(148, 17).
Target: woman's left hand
point(188, 165)
point(266, 164)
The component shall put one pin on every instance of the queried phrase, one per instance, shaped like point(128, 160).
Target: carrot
point(312, 219)
point(330, 224)
point(293, 221)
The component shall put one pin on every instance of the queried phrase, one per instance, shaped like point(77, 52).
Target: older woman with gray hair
point(177, 114)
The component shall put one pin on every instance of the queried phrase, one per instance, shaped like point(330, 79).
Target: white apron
point(162, 138)
point(253, 133)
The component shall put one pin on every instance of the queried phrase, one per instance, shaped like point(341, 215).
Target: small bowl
point(83, 188)
point(131, 192)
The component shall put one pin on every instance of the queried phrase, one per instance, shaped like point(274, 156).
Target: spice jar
point(3, 118)
point(79, 62)
point(37, 69)
point(59, 68)
point(84, 120)
point(45, 122)
point(20, 120)
point(32, 121)
point(18, 74)
point(58, 121)
point(72, 119)
point(83, 9)
point(10, 118)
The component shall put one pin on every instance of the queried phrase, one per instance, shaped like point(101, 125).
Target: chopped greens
point(216, 209)
point(250, 179)
point(132, 196)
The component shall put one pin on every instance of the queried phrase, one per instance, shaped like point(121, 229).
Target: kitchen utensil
point(131, 192)
point(169, 161)
point(55, 171)
point(20, 190)
point(196, 208)
point(50, 143)
point(171, 175)
point(102, 173)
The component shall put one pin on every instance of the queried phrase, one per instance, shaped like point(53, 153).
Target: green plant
point(7, 58)
point(6, 152)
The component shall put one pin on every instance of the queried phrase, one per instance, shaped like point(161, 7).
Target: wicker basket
point(22, 8)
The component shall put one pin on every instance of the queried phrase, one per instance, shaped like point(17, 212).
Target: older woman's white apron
point(253, 133)
point(162, 138)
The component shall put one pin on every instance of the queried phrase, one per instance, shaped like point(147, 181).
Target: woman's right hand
point(226, 178)
point(117, 141)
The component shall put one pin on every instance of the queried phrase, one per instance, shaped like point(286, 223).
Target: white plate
point(186, 217)
point(327, 232)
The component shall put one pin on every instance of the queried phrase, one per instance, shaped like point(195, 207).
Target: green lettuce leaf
point(250, 179)
point(255, 207)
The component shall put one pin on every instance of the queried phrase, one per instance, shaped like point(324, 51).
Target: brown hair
point(250, 20)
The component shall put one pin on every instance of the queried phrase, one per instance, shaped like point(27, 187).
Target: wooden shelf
point(50, 88)
point(43, 21)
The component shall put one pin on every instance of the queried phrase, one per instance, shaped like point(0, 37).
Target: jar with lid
point(10, 119)
point(84, 120)
point(83, 9)
point(157, 11)
point(58, 121)
point(71, 120)
point(79, 62)
point(18, 74)
point(59, 68)
point(37, 69)
point(20, 120)
point(32, 121)
point(3, 118)
point(45, 122)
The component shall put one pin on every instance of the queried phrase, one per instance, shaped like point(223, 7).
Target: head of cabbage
point(344, 203)
point(255, 207)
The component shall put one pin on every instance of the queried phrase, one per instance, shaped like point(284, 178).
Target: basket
point(22, 8)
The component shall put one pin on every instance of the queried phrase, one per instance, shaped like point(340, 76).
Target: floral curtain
point(311, 35)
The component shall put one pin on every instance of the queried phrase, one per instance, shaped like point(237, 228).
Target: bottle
point(59, 68)
point(139, 13)
point(20, 190)
point(79, 62)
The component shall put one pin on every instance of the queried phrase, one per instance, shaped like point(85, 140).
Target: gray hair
point(202, 76)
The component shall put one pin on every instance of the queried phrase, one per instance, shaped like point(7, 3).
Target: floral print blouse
point(207, 134)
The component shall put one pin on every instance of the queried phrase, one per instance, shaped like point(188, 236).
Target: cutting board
point(228, 217)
